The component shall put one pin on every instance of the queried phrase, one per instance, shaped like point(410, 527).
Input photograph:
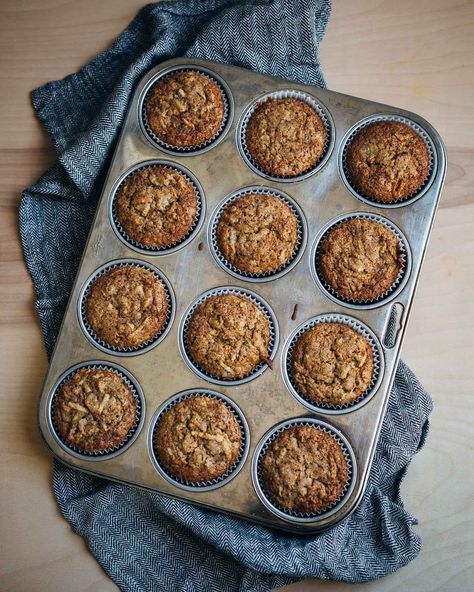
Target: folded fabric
point(143, 540)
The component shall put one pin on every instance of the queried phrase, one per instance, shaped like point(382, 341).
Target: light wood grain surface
point(416, 54)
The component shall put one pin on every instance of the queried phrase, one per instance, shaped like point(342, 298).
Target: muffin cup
point(258, 301)
point(397, 285)
point(285, 513)
point(199, 148)
point(112, 349)
point(232, 472)
point(171, 248)
point(270, 275)
point(349, 137)
point(132, 384)
point(359, 328)
point(320, 109)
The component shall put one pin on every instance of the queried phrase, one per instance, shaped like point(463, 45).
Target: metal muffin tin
point(220, 168)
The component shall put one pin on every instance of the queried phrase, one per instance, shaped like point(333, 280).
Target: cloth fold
point(143, 540)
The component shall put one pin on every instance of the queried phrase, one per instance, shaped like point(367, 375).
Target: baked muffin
point(156, 206)
point(185, 109)
point(332, 364)
point(127, 306)
point(94, 410)
point(387, 161)
point(257, 233)
point(285, 137)
point(228, 336)
point(198, 439)
point(360, 259)
point(304, 470)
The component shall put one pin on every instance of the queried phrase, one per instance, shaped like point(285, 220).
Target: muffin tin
point(293, 297)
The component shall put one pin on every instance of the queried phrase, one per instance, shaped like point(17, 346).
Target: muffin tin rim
point(250, 107)
point(382, 300)
point(417, 127)
point(332, 98)
point(332, 317)
point(192, 234)
point(324, 514)
point(174, 400)
point(154, 341)
point(222, 290)
point(204, 146)
point(247, 190)
point(52, 393)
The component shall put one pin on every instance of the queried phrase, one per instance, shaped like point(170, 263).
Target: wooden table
point(417, 55)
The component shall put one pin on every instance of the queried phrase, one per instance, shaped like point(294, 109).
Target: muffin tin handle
point(393, 326)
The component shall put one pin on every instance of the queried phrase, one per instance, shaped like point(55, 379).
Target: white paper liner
point(255, 299)
point(359, 328)
point(184, 240)
point(400, 279)
point(287, 94)
point(226, 120)
point(145, 346)
point(131, 384)
point(285, 513)
point(422, 189)
point(236, 465)
point(270, 275)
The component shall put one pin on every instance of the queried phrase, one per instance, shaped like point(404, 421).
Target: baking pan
point(292, 298)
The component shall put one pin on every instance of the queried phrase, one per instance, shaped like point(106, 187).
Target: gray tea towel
point(145, 541)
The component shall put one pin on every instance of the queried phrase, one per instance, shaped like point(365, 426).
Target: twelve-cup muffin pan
point(293, 298)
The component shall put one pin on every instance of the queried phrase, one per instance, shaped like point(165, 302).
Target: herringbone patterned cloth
point(145, 541)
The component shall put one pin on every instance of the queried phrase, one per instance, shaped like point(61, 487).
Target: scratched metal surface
point(265, 401)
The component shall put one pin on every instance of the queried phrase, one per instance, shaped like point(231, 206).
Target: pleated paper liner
point(204, 146)
point(172, 247)
point(131, 383)
point(270, 275)
point(147, 345)
point(285, 513)
point(255, 299)
point(422, 189)
point(212, 483)
point(394, 289)
point(322, 407)
point(320, 109)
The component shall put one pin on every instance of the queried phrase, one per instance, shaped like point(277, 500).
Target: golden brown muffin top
point(156, 206)
point(387, 161)
point(332, 364)
point(304, 470)
point(198, 439)
point(257, 233)
point(127, 306)
point(360, 259)
point(228, 336)
point(185, 109)
point(285, 137)
point(94, 410)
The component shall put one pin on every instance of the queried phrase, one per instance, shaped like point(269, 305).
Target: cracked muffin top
point(94, 410)
point(228, 336)
point(332, 364)
point(304, 470)
point(387, 161)
point(257, 233)
point(127, 306)
point(360, 259)
point(156, 206)
point(198, 439)
point(185, 109)
point(285, 137)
